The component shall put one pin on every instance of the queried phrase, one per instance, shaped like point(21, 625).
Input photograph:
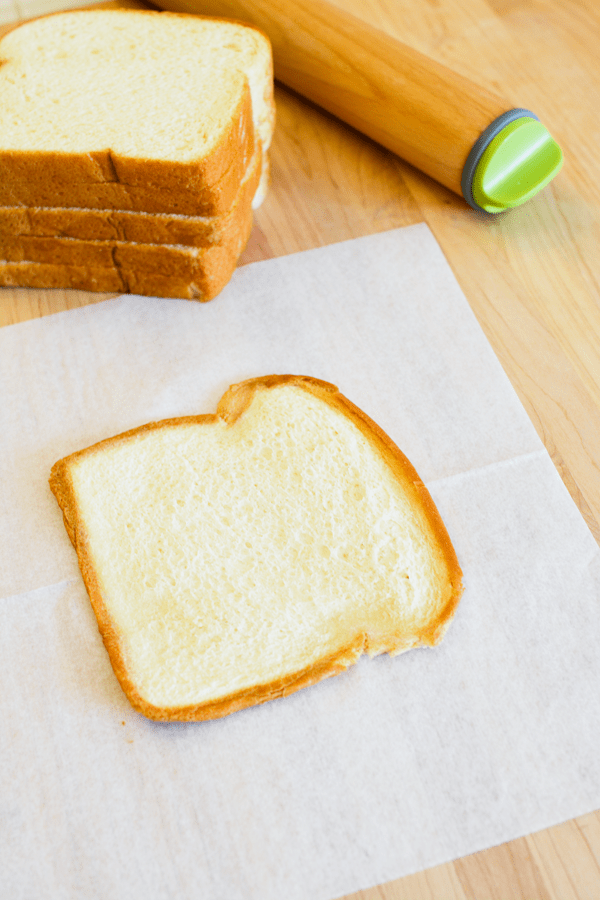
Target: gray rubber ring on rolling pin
point(481, 145)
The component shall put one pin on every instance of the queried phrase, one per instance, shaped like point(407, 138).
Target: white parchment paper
point(393, 767)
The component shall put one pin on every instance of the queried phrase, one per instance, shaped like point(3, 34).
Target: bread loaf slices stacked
point(237, 557)
point(133, 149)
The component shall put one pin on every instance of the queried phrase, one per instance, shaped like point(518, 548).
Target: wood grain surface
point(532, 277)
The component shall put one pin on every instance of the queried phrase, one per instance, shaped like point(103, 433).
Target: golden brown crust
point(326, 668)
point(106, 280)
point(141, 228)
point(231, 406)
point(77, 278)
point(18, 189)
point(165, 259)
point(155, 270)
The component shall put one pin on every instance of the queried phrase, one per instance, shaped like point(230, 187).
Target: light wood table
point(531, 276)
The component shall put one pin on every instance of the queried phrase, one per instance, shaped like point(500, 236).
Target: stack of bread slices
point(133, 149)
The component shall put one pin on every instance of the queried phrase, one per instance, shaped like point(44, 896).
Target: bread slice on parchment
point(132, 110)
point(238, 557)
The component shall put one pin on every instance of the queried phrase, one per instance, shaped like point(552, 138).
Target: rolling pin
point(469, 140)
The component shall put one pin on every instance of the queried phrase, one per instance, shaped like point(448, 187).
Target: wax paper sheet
point(395, 766)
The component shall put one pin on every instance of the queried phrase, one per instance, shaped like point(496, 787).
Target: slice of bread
point(237, 557)
point(155, 270)
point(216, 201)
point(168, 259)
point(139, 227)
point(119, 109)
point(113, 281)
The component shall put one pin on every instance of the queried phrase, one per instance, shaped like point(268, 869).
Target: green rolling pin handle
point(513, 159)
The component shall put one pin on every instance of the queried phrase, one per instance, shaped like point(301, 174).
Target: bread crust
point(76, 278)
point(103, 179)
point(116, 280)
point(17, 188)
point(154, 270)
point(231, 406)
point(136, 227)
point(165, 259)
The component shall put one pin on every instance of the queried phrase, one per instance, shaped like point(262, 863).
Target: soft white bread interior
point(131, 98)
point(237, 557)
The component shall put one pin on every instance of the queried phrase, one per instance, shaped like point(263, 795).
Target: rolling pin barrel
point(443, 124)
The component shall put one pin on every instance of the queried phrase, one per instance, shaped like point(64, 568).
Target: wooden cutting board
point(531, 276)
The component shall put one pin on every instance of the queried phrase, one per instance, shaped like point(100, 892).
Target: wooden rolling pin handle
point(419, 109)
